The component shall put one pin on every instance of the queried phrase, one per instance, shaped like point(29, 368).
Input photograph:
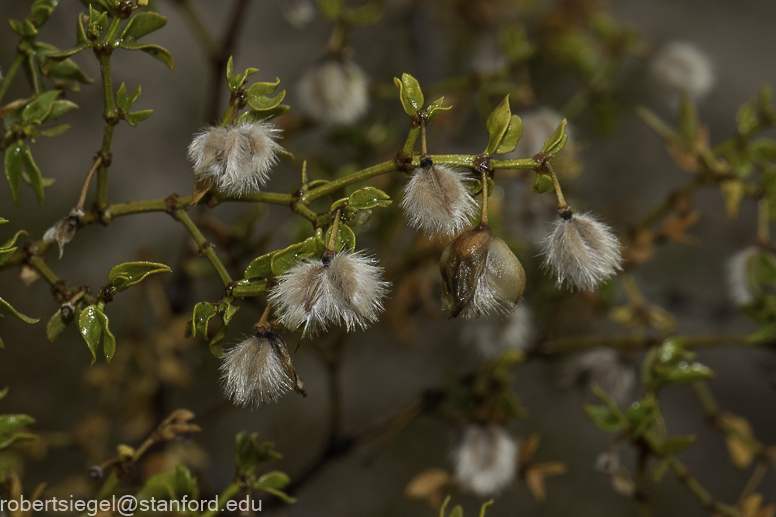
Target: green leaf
point(141, 24)
point(512, 136)
point(331, 9)
point(251, 116)
point(285, 259)
point(37, 110)
point(200, 319)
point(98, 21)
point(485, 508)
point(52, 60)
point(675, 445)
point(368, 197)
point(275, 479)
point(59, 108)
point(497, 124)
point(250, 455)
point(603, 417)
point(25, 28)
point(685, 372)
point(345, 237)
point(7, 308)
point(15, 438)
point(457, 511)
point(10, 242)
point(68, 70)
point(56, 325)
point(543, 184)
point(435, 108)
point(410, 94)
point(261, 89)
point(128, 274)
point(93, 323)
point(124, 101)
point(555, 143)
point(5, 254)
point(54, 130)
point(160, 53)
point(80, 32)
point(277, 493)
point(10, 423)
point(136, 117)
point(264, 103)
point(259, 267)
point(236, 81)
point(641, 415)
point(13, 168)
point(36, 178)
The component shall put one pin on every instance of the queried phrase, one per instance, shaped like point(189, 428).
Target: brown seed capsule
point(480, 275)
point(64, 230)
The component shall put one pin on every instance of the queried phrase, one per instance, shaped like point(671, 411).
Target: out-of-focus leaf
point(7, 308)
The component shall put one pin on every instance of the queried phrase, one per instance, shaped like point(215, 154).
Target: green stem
point(484, 214)
point(249, 291)
point(229, 492)
point(109, 114)
point(206, 248)
point(698, 491)
point(10, 73)
point(337, 184)
point(412, 138)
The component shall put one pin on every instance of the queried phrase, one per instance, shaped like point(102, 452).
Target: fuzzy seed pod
point(346, 289)
point(480, 275)
point(485, 460)
point(493, 337)
point(334, 92)
point(743, 271)
point(298, 13)
point(682, 68)
point(64, 230)
point(259, 370)
point(604, 367)
point(436, 201)
point(237, 158)
point(582, 251)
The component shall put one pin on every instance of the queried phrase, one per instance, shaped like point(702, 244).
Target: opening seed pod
point(480, 275)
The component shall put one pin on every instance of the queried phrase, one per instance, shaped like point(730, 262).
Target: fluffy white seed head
point(488, 58)
point(485, 459)
point(538, 126)
point(63, 230)
point(347, 289)
point(604, 367)
point(334, 92)
point(492, 337)
point(298, 13)
point(258, 370)
point(582, 252)
point(480, 275)
point(237, 158)
point(680, 68)
point(739, 285)
point(436, 201)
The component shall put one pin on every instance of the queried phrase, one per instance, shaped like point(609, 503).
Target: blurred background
point(620, 169)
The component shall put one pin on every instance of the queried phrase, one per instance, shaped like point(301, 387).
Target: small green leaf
point(13, 168)
point(79, 29)
point(54, 130)
point(410, 94)
point(497, 124)
point(52, 60)
point(603, 417)
point(675, 445)
point(37, 110)
point(543, 184)
point(435, 108)
point(203, 313)
point(160, 53)
point(59, 108)
point(259, 267)
point(10, 242)
point(345, 237)
point(264, 103)
point(35, 177)
point(90, 326)
point(136, 117)
point(128, 274)
point(331, 9)
point(261, 89)
point(512, 136)
point(141, 24)
point(485, 508)
point(16, 438)
point(555, 143)
point(457, 511)
point(10, 423)
point(287, 258)
point(685, 372)
point(7, 308)
point(275, 479)
point(368, 197)
point(98, 21)
point(56, 325)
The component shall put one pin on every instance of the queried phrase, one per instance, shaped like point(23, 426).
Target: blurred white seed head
point(608, 462)
point(582, 251)
point(347, 289)
point(334, 92)
point(480, 275)
point(485, 459)
point(492, 337)
point(63, 230)
point(487, 57)
point(237, 158)
point(259, 370)
point(604, 367)
point(298, 13)
point(682, 68)
point(436, 201)
point(538, 126)
point(739, 284)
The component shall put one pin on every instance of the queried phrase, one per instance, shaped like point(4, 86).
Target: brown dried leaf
point(429, 486)
point(741, 453)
